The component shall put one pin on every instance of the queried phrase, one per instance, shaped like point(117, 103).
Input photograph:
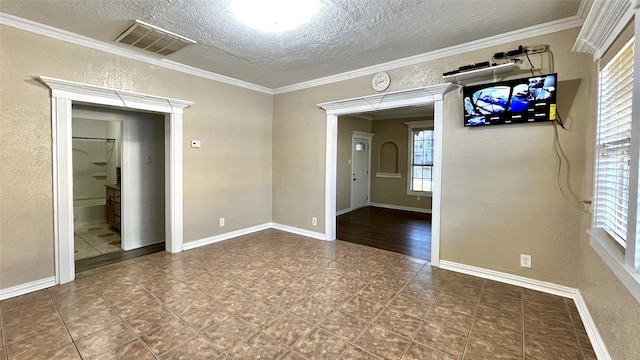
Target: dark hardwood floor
point(404, 232)
point(115, 257)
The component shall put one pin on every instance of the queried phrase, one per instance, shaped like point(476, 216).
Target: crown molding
point(604, 22)
point(517, 35)
point(59, 34)
point(583, 10)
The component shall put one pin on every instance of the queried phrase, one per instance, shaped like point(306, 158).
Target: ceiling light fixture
point(275, 15)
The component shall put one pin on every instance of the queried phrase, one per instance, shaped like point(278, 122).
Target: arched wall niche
point(388, 160)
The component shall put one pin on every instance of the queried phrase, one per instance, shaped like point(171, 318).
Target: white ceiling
point(345, 35)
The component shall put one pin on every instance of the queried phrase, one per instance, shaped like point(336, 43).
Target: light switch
point(195, 143)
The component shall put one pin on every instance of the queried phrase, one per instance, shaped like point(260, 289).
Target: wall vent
point(153, 38)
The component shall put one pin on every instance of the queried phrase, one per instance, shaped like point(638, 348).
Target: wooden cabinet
point(113, 206)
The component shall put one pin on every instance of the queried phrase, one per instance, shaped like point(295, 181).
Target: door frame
point(63, 94)
point(403, 98)
point(367, 136)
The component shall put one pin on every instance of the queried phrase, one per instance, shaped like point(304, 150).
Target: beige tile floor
point(273, 295)
point(94, 240)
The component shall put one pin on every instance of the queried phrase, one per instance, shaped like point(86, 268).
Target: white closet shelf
point(99, 175)
point(99, 162)
point(469, 76)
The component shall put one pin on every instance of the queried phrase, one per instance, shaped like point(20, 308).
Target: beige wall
point(390, 191)
point(614, 310)
point(346, 126)
point(499, 192)
point(498, 182)
point(230, 176)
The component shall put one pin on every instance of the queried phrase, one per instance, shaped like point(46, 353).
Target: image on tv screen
point(521, 100)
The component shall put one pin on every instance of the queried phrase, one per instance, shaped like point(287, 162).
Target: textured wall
point(387, 190)
point(230, 176)
point(346, 125)
point(614, 310)
point(499, 192)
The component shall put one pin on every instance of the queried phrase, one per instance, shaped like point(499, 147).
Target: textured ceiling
point(345, 35)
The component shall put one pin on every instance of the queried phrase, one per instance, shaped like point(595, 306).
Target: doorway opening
point(405, 98)
point(64, 94)
point(391, 181)
point(113, 215)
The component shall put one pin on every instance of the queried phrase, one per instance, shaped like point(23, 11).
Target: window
point(420, 158)
point(615, 215)
point(614, 233)
point(611, 212)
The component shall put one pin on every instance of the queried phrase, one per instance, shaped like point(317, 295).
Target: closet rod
point(92, 138)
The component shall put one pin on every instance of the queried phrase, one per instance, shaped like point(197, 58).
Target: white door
point(360, 173)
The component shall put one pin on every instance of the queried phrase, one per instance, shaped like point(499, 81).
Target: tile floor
point(94, 240)
point(273, 295)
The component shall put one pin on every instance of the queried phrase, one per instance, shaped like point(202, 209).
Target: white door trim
point(367, 136)
point(413, 97)
point(63, 94)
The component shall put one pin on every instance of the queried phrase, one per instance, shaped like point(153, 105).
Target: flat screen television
point(531, 99)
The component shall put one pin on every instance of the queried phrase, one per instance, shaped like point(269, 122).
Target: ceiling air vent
point(153, 38)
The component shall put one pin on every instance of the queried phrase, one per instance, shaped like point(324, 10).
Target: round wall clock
point(380, 81)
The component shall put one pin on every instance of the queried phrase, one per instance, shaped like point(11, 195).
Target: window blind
point(422, 160)
point(614, 141)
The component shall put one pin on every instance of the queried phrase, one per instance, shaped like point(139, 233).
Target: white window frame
point(428, 124)
point(625, 264)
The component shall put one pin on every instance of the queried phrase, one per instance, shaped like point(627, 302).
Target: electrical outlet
point(195, 143)
point(314, 221)
point(221, 221)
point(525, 261)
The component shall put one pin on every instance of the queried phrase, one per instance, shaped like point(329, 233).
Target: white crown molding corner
point(517, 35)
point(67, 36)
point(226, 236)
point(583, 10)
point(543, 286)
point(604, 22)
point(298, 231)
point(27, 288)
point(403, 208)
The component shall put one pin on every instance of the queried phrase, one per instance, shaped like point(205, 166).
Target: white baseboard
point(49, 282)
point(298, 231)
point(27, 288)
point(547, 287)
point(592, 330)
point(550, 288)
point(344, 211)
point(398, 207)
point(226, 236)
